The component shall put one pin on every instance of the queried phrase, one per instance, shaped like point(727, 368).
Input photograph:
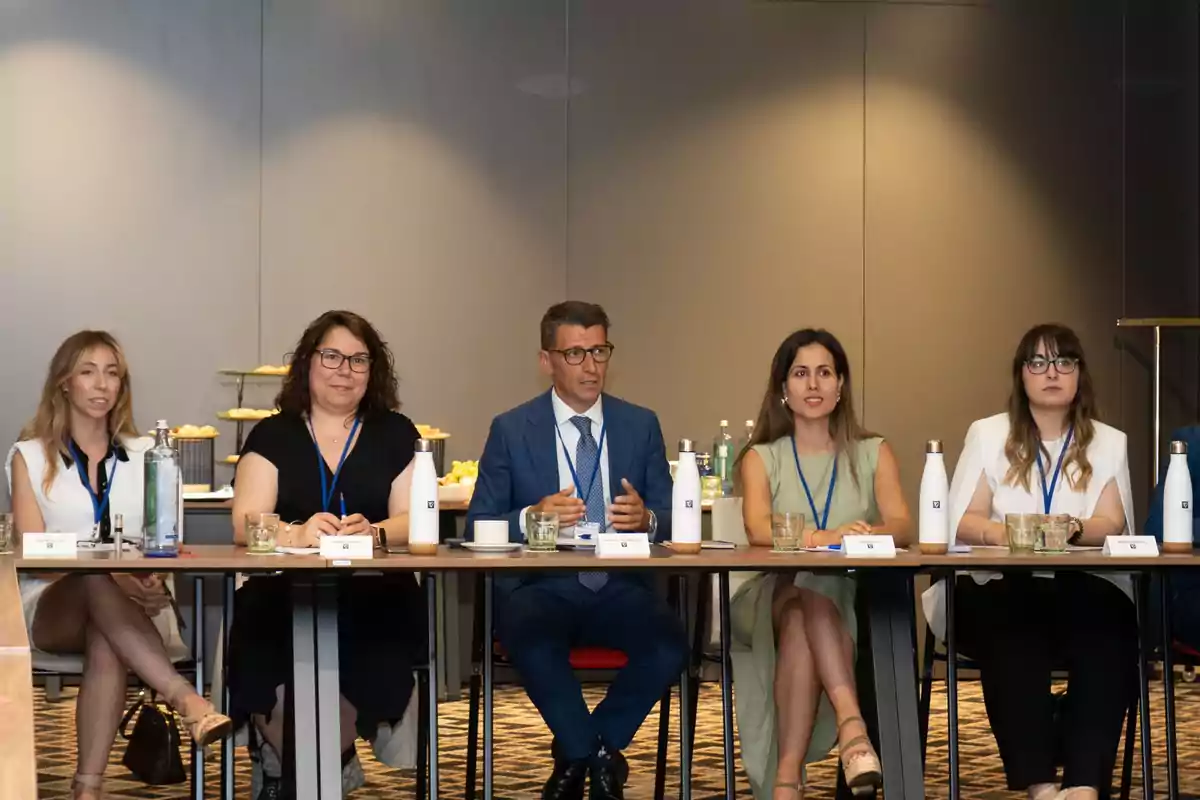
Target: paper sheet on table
point(298, 551)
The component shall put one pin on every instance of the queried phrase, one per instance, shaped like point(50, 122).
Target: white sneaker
point(392, 747)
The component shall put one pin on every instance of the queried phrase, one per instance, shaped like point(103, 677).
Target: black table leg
point(892, 617)
point(952, 685)
point(726, 683)
point(1139, 594)
point(228, 585)
point(198, 660)
point(1169, 684)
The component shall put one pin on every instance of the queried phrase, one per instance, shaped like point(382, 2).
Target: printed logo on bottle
point(430, 504)
point(687, 504)
point(937, 503)
point(1185, 503)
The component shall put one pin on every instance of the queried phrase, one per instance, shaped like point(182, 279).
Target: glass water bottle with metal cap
point(162, 497)
point(934, 519)
point(685, 501)
point(1177, 502)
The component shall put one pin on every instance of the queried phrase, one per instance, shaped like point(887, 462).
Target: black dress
point(381, 619)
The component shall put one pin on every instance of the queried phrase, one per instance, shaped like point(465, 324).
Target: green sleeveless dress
point(753, 634)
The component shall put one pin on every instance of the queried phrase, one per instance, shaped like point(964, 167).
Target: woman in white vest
point(77, 465)
point(1047, 454)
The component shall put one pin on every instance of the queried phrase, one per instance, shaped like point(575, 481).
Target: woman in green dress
point(794, 632)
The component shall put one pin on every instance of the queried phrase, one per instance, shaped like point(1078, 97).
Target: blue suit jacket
point(1190, 435)
point(519, 465)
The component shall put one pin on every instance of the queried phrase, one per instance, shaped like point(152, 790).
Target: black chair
point(933, 655)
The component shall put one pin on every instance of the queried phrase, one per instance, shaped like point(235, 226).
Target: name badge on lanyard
point(99, 502)
point(579, 487)
point(327, 489)
point(1048, 492)
point(819, 520)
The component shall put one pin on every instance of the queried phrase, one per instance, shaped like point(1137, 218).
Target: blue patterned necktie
point(587, 459)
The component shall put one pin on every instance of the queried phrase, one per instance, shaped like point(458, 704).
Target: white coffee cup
point(491, 531)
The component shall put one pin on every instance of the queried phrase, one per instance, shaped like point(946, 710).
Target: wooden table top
point(230, 558)
point(194, 558)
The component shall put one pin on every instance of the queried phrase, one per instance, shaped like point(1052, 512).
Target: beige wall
point(925, 180)
point(888, 171)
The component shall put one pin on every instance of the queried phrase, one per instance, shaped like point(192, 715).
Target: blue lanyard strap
point(583, 493)
point(327, 489)
point(99, 504)
point(820, 520)
point(1048, 493)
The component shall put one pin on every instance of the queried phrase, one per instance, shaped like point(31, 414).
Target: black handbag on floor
point(152, 752)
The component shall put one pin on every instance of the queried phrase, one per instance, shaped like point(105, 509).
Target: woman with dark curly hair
point(337, 459)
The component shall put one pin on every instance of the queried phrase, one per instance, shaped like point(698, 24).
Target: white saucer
point(480, 547)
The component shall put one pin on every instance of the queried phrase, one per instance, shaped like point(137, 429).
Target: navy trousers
point(540, 621)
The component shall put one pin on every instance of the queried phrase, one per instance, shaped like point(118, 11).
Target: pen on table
point(835, 547)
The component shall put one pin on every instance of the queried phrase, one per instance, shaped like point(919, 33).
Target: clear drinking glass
point(1054, 534)
point(8, 534)
point(541, 530)
point(1023, 531)
point(261, 533)
point(787, 529)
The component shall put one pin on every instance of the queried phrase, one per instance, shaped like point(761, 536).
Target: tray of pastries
point(247, 414)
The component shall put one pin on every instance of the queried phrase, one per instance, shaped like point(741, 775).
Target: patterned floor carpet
point(522, 746)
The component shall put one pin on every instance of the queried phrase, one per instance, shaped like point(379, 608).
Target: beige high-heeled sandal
point(798, 788)
point(864, 774)
point(206, 726)
point(85, 785)
point(1045, 791)
point(1076, 791)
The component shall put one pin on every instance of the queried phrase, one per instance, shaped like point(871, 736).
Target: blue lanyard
point(99, 504)
point(327, 489)
point(820, 520)
point(583, 495)
point(1048, 494)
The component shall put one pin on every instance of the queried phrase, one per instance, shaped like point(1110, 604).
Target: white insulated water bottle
point(685, 501)
point(423, 519)
point(934, 519)
point(1177, 502)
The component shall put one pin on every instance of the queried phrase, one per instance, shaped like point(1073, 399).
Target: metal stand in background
point(1158, 323)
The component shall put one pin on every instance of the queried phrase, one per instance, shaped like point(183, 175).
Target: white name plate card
point(54, 545)
point(1126, 546)
point(875, 546)
point(622, 545)
point(344, 548)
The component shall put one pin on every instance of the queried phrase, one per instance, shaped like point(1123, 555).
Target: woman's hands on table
point(324, 524)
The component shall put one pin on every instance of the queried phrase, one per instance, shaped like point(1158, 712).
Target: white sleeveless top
point(67, 506)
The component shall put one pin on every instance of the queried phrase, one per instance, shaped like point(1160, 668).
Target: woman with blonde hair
point(794, 633)
point(77, 464)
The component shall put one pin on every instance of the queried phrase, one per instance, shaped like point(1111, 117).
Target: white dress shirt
point(570, 437)
point(983, 454)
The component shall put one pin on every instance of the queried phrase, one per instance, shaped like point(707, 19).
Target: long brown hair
point(383, 392)
point(52, 422)
point(1024, 440)
point(776, 420)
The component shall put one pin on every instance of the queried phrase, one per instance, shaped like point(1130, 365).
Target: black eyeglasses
point(1063, 365)
point(575, 355)
point(332, 359)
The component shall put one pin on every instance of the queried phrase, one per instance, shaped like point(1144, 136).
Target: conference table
point(886, 581)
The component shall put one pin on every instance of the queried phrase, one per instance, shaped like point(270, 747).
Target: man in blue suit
point(596, 461)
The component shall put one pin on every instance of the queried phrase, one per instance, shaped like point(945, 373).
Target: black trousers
point(1021, 628)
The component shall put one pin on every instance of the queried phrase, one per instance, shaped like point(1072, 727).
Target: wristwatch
point(1076, 524)
point(652, 528)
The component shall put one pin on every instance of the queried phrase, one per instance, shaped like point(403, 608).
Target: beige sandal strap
point(88, 780)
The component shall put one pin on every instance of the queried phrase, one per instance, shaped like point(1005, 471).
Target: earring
point(783, 400)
